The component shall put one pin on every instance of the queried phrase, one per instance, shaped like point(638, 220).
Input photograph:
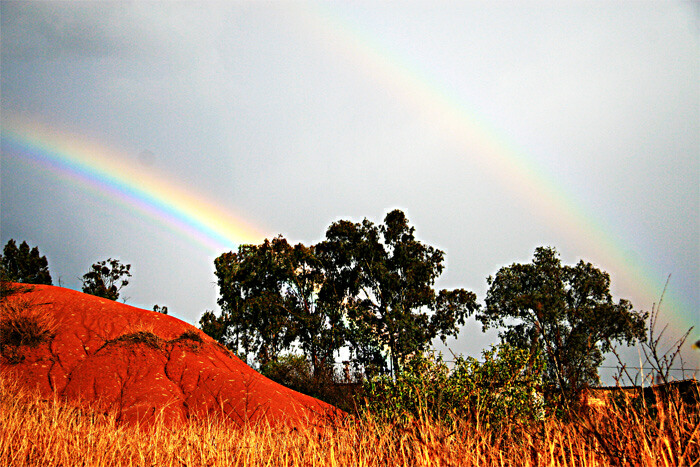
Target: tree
point(215, 327)
point(566, 312)
point(106, 278)
point(160, 309)
point(383, 277)
point(24, 265)
point(269, 295)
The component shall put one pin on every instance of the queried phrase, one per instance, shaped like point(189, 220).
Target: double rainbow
point(96, 167)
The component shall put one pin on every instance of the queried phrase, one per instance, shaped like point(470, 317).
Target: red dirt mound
point(138, 362)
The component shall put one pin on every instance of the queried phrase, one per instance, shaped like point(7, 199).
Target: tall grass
point(54, 433)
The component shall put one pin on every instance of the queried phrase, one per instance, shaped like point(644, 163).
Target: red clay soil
point(139, 363)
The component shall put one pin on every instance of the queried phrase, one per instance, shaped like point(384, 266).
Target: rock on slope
point(138, 363)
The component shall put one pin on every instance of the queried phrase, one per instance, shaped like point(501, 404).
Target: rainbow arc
point(103, 171)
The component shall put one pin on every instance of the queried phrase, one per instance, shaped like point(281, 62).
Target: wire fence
point(617, 367)
point(349, 372)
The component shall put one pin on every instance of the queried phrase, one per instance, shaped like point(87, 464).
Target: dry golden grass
point(34, 432)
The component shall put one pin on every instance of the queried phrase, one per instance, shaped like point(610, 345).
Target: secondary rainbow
point(492, 151)
point(111, 175)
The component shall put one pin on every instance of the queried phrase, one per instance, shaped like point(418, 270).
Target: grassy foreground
point(52, 433)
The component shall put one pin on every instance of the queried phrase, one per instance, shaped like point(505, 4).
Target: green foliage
point(106, 279)
point(297, 372)
point(501, 389)
point(366, 286)
point(23, 264)
point(292, 371)
point(383, 278)
point(566, 312)
point(270, 299)
point(214, 326)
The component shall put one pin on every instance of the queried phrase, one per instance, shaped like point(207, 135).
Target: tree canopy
point(365, 286)
point(24, 264)
point(383, 277)
point(566, 312)
point(106, 278)
point(269, 295)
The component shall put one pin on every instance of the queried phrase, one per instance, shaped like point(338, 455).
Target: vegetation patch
point(498, 391)
point(147, 337)
point(138, 337)
point(189, 335)
point(191, 339)
point(23, 324)
point(8, 289)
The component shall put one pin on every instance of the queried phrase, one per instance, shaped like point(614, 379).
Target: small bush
point(190, 339)
point(189, 335)
point(23, 323)
point(138, 337)
point(296, 372)
point(292, 371)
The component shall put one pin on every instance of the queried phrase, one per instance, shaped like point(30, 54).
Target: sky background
point(166, 133)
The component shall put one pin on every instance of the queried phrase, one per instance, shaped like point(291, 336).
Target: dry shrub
point(143, 333)
point(8, 289)
point(139, 327)
point(138, 337)
point(190, 339)
point(189, 335)
point(629, 426)
point(138, 333)
point(23, 322)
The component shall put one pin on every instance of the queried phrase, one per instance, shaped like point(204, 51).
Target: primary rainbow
point(493, 152)
point(111, 175)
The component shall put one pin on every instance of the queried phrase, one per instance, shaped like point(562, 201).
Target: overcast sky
point(496, 126)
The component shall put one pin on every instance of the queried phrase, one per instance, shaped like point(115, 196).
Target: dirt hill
point(137, 362)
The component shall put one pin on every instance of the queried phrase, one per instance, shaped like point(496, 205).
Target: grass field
point(53, 433)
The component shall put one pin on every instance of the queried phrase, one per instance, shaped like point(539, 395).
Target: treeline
point(368, 290)
point(27, 266)
point(366, 287)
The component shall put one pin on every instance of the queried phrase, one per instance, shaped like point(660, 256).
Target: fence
point(688, 392)
point(647, 375)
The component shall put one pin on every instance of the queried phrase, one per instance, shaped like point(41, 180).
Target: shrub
point(8, 289)
point(190, 339)
point(296, 372)
point(501, 389)
point(292, 371)
point(189, 335)
point(22, 323)
point(138, 337)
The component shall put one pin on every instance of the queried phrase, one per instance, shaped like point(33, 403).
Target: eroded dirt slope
point(139, 362)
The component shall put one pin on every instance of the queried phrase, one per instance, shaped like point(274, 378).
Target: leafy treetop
point(106, 278)
point(270, 299)
point(383, 279)
point(24, 265)
point(566, 312)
